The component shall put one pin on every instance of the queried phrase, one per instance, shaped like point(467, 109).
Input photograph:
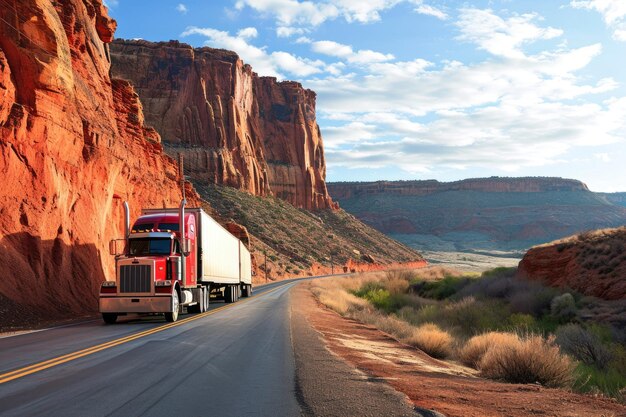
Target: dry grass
point(472, 353)
point(432, 340)
point(532, 360)
point(504, 356)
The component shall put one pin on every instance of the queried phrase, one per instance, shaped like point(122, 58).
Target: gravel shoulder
point(328, 386)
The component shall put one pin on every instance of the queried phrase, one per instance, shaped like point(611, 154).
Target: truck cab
point(159, 265)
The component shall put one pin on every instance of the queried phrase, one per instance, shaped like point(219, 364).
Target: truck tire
point(246, 291)
point(229, 294)
point(173, 316)
point(198, 294)
point(207, 297)
point(109, 318)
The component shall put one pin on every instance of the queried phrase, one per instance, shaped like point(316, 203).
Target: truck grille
point(135, 278)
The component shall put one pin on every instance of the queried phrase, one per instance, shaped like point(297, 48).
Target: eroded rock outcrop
point(70, 139)
point(593, 263)
point(234, 128)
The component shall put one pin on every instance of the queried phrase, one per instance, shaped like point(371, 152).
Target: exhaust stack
point(126, 221)
point(181, 230)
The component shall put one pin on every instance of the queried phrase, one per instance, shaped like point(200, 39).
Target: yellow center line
point(40, 366)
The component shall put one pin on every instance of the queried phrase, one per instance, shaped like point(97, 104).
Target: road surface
point(234, 360)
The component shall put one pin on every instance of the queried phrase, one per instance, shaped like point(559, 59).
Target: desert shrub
point(563, 307)
point(342, 302)
point(610, 381)
point(523, 322)
point(531, 298)
point(470, 316)
point(534, 359)
point(441, 289)
point(432, 340)
point(583, 345)
point(379, 298)
point(472, 353)
point(424, 314)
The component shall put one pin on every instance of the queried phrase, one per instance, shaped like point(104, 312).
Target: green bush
point(563, 307)
point(583, 345)
point(441, 289)
point(610, 382)
point(522, 322)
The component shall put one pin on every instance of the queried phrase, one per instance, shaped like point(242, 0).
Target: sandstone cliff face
point(293, 143)
point(70, 139)
point(235, 128)
point(593, 263)
point(342, 190)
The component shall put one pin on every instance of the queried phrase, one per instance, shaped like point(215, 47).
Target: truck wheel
point(207, 297)
point(229, 294)
point(246, 291)
point(109, 318)
point(173, 316)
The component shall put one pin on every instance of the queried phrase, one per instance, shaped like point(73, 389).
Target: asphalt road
point(235, 360)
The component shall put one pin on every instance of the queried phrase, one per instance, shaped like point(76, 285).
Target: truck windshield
point(150, 246)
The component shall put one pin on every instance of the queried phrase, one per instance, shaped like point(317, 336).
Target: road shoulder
point(328, 386)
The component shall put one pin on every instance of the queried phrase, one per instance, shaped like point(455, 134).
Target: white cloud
point(182, 8)
point(431, 11)
point(346, 52)
point(247, 33)
point(272, 64)
point(498, 36)
point(503, 113)
point(292, 16)
point(286, 31)
point(612, 11)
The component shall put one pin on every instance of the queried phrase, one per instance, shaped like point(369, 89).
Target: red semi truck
point(171, 259)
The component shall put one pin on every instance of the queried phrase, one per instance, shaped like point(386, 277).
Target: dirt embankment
point(431, 384)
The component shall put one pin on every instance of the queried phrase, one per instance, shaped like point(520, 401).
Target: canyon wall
point(485, 214)
point(234, 128)
point(72, 140)
point(343, 190)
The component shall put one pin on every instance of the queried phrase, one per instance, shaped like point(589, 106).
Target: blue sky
point(423, 89)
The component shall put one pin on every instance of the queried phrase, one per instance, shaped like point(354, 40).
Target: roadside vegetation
point(508, 329)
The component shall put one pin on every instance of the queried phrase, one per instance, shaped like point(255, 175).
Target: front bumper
point(151, 304)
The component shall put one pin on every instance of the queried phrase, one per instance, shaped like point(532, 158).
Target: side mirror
point(186, 246)
point(115, 248)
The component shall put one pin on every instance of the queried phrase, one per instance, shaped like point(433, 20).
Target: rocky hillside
point(485, 214)
point(593, 263)
point(234, 128)
point(300, 242)
point(71, 139)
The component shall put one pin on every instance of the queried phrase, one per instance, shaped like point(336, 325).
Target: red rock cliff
point(593, 263)
point(70, 138)
point(235, 128)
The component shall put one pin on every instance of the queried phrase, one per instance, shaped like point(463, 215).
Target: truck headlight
point(164, 283)
point(108, 284)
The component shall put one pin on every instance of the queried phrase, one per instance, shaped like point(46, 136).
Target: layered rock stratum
point(494, 214)
point(71, 140)
point(592, 263)
point(234, 127)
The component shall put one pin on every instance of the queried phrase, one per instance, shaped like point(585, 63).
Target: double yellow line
point(37, 367)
